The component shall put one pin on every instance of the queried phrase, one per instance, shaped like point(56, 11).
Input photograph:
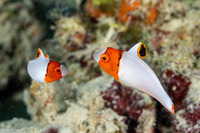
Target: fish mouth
point(97, 54)
point(64, 71)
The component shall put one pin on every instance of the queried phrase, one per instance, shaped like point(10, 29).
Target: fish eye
point(57, 70)
point(105, 58)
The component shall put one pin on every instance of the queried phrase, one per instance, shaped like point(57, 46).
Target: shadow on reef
point(11, 108)
point(8, 106)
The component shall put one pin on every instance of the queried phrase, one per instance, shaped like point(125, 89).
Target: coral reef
point(20, 31)
point(90, 101)
point(138, 106)
point(178, 87)
point(87, 114)
point(175, 43)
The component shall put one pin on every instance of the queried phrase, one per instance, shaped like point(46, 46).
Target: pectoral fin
point(139, 50)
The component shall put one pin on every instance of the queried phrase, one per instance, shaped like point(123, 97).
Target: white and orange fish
point(42, 69)
point(128, 68)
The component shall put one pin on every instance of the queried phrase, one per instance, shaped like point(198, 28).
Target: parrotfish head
point(109, 60)
point(63, 70)
point(97, 54)
point(55, 71)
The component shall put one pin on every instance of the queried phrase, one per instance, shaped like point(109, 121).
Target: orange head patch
point(109, 61)
point(54, 72)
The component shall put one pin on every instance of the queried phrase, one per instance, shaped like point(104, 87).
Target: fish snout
point(64, 71)
point(97, 54)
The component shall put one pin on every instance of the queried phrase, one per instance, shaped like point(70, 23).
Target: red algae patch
point(178, 87)
point(127, 102)
point(188, 119)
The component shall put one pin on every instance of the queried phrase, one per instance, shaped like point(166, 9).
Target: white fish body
point(37, 69)
point(42, 69)
point(135, 73)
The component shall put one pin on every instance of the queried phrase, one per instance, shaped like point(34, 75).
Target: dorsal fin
point(46, 56)
point(139, 50)
point(40, 55)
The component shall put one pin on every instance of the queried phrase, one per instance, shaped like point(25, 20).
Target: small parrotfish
point(42, 69)
point(128, 68)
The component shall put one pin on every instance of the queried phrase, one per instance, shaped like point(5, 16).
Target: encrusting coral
point(88, 114)
point(42, 98)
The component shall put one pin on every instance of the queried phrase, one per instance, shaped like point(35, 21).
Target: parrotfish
point(42, 69)
point(128, 68)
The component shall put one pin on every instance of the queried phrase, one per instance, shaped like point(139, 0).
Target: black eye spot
point(38, 53)
point(104, 58)
point(142, 51)
point(58, 70)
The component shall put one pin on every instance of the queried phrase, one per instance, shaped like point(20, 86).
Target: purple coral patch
point(51, 130)
point(123, 101)
point(178, 87)
point(188, 119)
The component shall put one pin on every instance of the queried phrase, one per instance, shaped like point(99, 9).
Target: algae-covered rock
point(86, 114)
point(20, 33)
